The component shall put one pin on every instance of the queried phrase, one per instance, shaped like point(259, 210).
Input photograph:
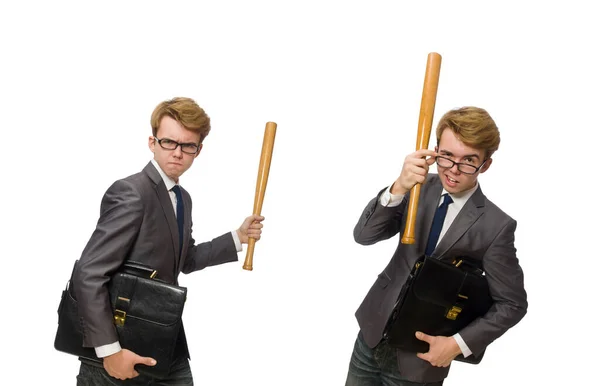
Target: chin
point(449, 189)
point(173, 176)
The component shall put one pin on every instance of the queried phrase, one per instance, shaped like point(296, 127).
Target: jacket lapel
point(167, 207)
point(468, 215)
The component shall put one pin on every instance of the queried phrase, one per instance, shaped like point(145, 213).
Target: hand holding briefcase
point(438, 299)
point(147, 314)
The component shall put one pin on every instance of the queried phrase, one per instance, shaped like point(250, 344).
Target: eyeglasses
point(464, 168)
point(169, 144)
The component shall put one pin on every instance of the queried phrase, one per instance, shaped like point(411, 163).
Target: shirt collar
point(169, 183)
point(460, 199)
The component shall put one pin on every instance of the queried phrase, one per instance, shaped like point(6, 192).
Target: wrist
point(396, 189)
point(457, 350)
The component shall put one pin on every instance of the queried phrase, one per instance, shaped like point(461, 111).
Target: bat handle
point(249, 254)
point(409, 232)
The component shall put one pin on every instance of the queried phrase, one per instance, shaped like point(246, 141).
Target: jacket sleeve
point(506, 283)
point(121, 215)
point(219, 250)
point(377, 223)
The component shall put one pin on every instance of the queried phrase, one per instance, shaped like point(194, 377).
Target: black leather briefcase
point(438, 299)
point(147, 315)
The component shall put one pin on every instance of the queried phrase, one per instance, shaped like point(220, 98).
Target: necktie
point(179, 196)
point(438, 222)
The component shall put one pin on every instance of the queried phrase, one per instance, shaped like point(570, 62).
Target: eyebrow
point(446, 152)
point(181, 143)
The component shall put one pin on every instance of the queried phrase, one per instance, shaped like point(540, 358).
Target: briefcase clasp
point(120, 317)
point(452, 314)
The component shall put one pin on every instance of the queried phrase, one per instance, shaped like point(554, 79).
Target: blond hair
point(473, 126)
point(185, 111)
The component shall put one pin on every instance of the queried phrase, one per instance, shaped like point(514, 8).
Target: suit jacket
point(137, 223)
point(481, 231)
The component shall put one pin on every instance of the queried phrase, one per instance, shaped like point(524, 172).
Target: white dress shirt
point(112, 348)
point(458, 201)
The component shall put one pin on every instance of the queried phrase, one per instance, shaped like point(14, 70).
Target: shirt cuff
point(236, 241)
point(463, 346)
point(390, 200)
point(107, 349)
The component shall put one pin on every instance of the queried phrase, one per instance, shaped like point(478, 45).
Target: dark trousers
point(180, 375)
point(376, 367)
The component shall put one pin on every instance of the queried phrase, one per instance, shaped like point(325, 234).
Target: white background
point(343, 81)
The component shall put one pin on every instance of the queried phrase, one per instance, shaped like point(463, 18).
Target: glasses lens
point(444, 162)
point(168, 144)
point(467, 169)
point(189, 148)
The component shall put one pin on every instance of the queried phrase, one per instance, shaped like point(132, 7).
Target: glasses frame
point(177, 144)
point(459, 164)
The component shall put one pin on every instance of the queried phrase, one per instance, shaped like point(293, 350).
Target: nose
point(177, 152)
point(454, 169)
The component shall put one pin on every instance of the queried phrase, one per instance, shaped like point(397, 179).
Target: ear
point(487, 165)
point(151, 143)
point(198, 152)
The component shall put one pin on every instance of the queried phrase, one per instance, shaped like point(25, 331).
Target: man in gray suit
point(140, 220)
point(473, 226)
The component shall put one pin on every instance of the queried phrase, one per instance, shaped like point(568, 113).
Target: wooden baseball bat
point(261, 184)
point(430, 86)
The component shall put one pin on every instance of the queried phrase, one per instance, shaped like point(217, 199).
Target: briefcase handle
point(130, 267)
point(469, 265)
point(138, 269)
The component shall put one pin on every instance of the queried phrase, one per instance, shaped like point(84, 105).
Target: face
point(453, 180)
point(173, 162)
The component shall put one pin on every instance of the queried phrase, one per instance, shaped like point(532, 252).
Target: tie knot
point(177, 190)
point(447, 199)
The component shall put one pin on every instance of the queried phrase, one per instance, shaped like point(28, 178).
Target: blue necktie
point(179, 196)
point(438, 222)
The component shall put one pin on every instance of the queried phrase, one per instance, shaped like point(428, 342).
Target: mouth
point(451, 181)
